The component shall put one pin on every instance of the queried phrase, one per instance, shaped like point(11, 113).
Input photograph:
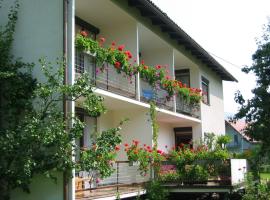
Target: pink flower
point(97, 180)
point(102, 40)
point(84, 33)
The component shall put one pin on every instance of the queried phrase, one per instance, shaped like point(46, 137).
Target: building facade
point(48, 28)
point(239, 141)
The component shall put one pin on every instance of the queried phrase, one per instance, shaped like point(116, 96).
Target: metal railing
point(125, 174)
point(160, 96)
point(185, 108)
point(107, 78)
point(210, 173)
point(110, 80)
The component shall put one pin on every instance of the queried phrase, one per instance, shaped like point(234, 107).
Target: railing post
point(107, 76)
point(117, 177)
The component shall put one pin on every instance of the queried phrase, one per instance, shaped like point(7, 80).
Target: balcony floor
point(110, 192)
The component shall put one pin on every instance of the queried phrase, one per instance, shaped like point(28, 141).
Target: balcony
point(187, 109)
point(127, 181)
point(159, 96)
point(108, 79)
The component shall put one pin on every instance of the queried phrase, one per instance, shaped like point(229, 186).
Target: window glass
point(205, 91)
point(183, 75)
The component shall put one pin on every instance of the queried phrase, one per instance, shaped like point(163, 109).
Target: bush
point(155, 191)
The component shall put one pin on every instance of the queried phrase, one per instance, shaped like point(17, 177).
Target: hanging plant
point(120, 59)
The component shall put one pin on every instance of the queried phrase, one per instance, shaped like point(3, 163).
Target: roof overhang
point(158, 18)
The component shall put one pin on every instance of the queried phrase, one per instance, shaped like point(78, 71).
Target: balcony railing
point(125, 179)
point(199, 173)
point(183, 107)
point(110, 80)
point(223, 175)
point(107, 79)
point(160, 96)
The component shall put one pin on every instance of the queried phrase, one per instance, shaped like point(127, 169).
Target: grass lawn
point(264, 176)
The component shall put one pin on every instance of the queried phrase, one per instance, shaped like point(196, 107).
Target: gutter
point(187, 41)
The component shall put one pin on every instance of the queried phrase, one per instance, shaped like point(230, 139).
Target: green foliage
point(155, 191)
point(256, 110)
point(194, 173)
point(145, 155)
point(255, 190)
point(197, 164)
point(169, 176)
point(153, 116)
point(101, 156)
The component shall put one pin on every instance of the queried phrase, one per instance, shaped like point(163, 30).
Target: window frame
point(205, 82)
point(183, 72)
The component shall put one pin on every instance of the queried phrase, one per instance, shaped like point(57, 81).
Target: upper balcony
point(118, 26)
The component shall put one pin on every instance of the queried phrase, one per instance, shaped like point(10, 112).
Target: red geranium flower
point(117, 148)
point(121, 47)
point(159, 151)
point(158, 66)
point(145, 67)
point(117, 64)
point(113, 43)
point(126, 144)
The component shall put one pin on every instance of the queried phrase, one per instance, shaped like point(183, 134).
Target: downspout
point(69, 78)
point(65, 106)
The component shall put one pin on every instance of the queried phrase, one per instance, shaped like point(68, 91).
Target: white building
point(47, 28)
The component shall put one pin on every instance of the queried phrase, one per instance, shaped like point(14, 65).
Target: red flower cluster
point(128, 54)
point(83, 33)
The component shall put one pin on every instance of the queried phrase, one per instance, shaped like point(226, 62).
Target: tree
point(256, 110)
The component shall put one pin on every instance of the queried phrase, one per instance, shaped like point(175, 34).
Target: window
point(81, 60)
point(205, 91)
point(183, 75)
point(235, 139)
point(183, 135)
point(90, 128)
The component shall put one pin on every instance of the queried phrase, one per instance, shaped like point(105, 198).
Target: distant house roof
point(148, 9)
point(239, 126)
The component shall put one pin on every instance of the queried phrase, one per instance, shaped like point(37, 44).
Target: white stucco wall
point(238, 170)
point(166, 136)
point(212, 115)
point(39, 30)
point(38, 33)
point(137, 128)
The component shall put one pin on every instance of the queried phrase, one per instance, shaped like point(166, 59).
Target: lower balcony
point(127, 181)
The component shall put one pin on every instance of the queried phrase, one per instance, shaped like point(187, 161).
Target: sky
point(228, 30)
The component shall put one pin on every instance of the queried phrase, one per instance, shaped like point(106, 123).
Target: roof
point(149, 10)
point(239, 126)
